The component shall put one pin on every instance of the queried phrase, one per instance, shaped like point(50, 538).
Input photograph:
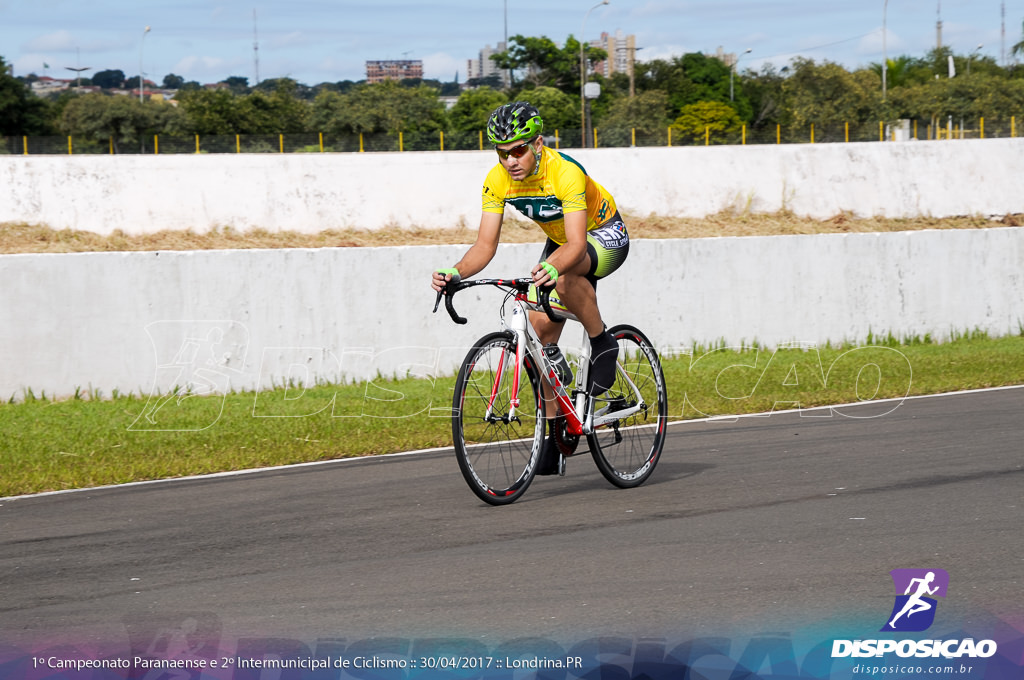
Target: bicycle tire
point(498, 457)
point(626, 451)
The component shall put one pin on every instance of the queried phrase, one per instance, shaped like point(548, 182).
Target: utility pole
point(255, 48)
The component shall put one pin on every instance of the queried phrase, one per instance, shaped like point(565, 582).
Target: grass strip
point(82, 442)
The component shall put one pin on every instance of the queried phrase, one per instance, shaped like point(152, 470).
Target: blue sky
point(329, 40)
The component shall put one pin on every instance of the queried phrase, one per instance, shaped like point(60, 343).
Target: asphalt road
point(759, 523)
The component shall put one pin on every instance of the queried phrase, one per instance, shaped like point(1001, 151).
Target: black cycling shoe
point(549, 462)
point(603, 352)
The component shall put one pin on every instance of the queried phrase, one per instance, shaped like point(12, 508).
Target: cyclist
point(586, 237)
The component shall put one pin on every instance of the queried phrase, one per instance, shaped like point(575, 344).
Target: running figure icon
point(916, 593)
point(915, 604)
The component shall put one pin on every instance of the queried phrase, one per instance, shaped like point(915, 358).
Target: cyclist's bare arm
point(479, 254)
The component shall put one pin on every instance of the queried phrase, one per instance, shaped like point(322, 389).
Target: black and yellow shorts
point(607, 247)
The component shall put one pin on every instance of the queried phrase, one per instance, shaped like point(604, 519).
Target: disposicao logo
point(914, 611)
point(916, 590)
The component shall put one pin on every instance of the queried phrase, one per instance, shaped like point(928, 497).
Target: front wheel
point(497, 445)
point(627, 449)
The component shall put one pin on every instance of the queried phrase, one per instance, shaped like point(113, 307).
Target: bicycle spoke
point(627, 448)
point(495, 445)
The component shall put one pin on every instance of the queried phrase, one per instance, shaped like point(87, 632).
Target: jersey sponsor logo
point(538, 209)
point(611, 236)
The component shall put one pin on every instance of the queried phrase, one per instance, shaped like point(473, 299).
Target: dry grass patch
point(29, 238)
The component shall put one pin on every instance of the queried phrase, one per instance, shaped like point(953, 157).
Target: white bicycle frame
point(580, 419)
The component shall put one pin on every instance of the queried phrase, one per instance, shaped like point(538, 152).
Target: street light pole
point(971, 56)
point(583, 76)
point(885, 49)
point(732, 71)
point(141, 44)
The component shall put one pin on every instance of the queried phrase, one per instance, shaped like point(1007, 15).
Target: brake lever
point(448, 305)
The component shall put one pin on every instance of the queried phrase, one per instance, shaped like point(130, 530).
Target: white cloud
point(441, 66)
point(205, 69)
point(56, 41)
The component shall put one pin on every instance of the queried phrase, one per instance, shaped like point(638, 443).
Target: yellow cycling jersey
point(560, 185)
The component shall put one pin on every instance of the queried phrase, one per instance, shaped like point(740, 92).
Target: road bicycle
point(498, 409)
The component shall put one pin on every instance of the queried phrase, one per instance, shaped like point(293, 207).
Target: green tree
point(715, 118)
point(125, 121)
point(540, 62)
point(212, 112)
point(469, 114)
point(898, 71)
point(646, 114)
point(109, 79)
point(173, 82)
point(710, 75)
point(385, 107)
point(1018, 48)
point(669, 76)
point(279, 111)
point(21, 112)
point(559, 110)
point(237, 84)
point(827, 95)
point(767, 97)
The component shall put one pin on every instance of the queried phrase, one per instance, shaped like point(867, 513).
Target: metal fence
point(712, 135)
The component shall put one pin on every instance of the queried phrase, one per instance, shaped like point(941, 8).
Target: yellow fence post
point(360, 142)
point(401, 142)
point(1013, 126)
point(983, 127)
point(558, 139)
point(778, 133)
point(743, 138)
point(482, 139)
point(595, 138)
point(442, 140)
point(280, 142)
point(707, 135)
point(238, 143)
point(847, 132)
point(670, 136)
point(24, 144)
point(156, 145)
point(915, 128)
point(881, 130)
point(197, 144)
point(812, 133)
point(111, 146)
point(69, 145)
point(321, 142)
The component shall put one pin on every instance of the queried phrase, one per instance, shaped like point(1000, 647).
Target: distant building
point(393, 69)
point(621, 51)
point(483, 66)
point(46, 85)
point(727, 58)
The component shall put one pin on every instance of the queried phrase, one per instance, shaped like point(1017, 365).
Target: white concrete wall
point(313, 192)
point(139, 322)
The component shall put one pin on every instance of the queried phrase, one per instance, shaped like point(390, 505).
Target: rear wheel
point(627, 449)
point(497, 447)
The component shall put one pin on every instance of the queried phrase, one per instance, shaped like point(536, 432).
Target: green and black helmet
point(512, 122)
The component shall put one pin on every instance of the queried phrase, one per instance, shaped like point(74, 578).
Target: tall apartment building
point(483, 66)
point(621, 51)
point(393, 69)
point(728, 58)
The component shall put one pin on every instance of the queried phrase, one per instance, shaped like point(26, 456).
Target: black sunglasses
point(515, 151)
